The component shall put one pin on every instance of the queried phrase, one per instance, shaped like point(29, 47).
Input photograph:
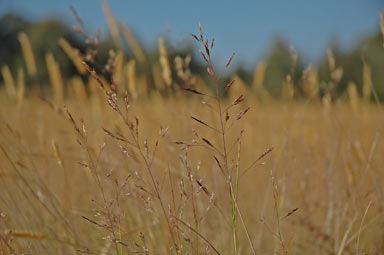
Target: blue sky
point(244, 27)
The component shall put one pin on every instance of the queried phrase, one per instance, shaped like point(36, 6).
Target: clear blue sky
point(244, 27)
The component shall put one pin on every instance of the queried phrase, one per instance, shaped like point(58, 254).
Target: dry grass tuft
point(29, 56)
point(164, 63)
point(55, 78)
point(72, 54)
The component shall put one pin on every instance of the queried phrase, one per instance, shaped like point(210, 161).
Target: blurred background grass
point(273, 65)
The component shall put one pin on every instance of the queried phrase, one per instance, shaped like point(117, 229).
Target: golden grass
point(327, 165)
point(164, 63)
point(20, 86)
point(311, 85)
point(131, 77)
point(367, 82)
point(27, 235)
point(9, 82)
point(158, 81)
point(118, 72)
point(259, 75)
point(112, 23)
point(192, 172)
point(29, 56)
point(72, 55)
point(132, 42)
point(353, 95)
point(79, 88)
point(55, 78)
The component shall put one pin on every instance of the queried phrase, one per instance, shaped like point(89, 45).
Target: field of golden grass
point(60, 197)
point(92, 169)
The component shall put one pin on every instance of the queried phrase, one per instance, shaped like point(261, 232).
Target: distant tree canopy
point(279, 65)
point(370, 50)
point(44, 36)
point(10, 26)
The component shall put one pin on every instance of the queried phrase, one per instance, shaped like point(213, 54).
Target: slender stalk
point(233, 194)
point(234, 211)
point(361, 226)
point(275, 200)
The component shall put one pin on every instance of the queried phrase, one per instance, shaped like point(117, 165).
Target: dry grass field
point(87, 170)
point(60, 197)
